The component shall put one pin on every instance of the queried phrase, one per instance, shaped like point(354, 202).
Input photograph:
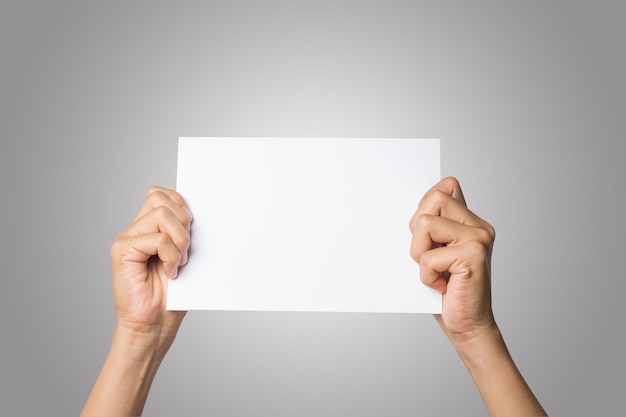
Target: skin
point(143, 258)
point(452, 245)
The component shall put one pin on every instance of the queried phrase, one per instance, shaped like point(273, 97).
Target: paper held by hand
point(298, 224)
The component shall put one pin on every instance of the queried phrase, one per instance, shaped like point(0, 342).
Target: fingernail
point(184, 259)
point(174, 273)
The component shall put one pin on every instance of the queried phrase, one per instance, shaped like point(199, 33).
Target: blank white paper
point(293, 224)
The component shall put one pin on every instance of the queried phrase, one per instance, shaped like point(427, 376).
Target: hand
point(453, 247)
point(143, 258)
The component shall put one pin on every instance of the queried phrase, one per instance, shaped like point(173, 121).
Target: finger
point(159, 196)
point(162, 220)
point(446, 199)
point(460, 262)
point(449, 186)
point(431, 231)
point(139, 249)
point(438, 203)
point(170, 192)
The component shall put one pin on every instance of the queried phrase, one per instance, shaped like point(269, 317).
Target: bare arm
point(453, 247)
point(143, 258)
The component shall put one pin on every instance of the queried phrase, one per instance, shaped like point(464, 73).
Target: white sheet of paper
point(299, 224)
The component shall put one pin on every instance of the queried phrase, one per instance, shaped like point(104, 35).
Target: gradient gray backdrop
point(529, 101)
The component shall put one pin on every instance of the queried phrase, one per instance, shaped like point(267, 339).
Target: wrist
point(496, 376)
point(482, 344)
point(136, 358)
point(140, 346)
point(127, 374)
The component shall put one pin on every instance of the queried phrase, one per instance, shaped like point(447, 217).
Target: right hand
point(143, 258)
point(453, 247)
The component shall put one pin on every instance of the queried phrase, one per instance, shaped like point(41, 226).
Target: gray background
point(529, 100)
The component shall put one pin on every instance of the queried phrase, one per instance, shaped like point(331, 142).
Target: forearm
point(126, 376)
point(501, 385)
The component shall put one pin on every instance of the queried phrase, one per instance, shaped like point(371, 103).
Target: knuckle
point(156, 196)
point(163, 213)
point(414, 223)
point(425, 200)
point(424, 222)
point(452, 182)
point(425, 258)
point(161, 193)
point(178, 199)
point(477, 251)
point(116, 249)
point(154, 189)
point(432, 201)
point(483, 236)
point(438, 197)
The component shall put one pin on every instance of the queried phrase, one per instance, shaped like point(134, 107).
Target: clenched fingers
point(162, 220)
point(430, 231)
point(459, 263)
point(135, 250)
point(449, 186)
point(164, 197)
point(438, 203)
